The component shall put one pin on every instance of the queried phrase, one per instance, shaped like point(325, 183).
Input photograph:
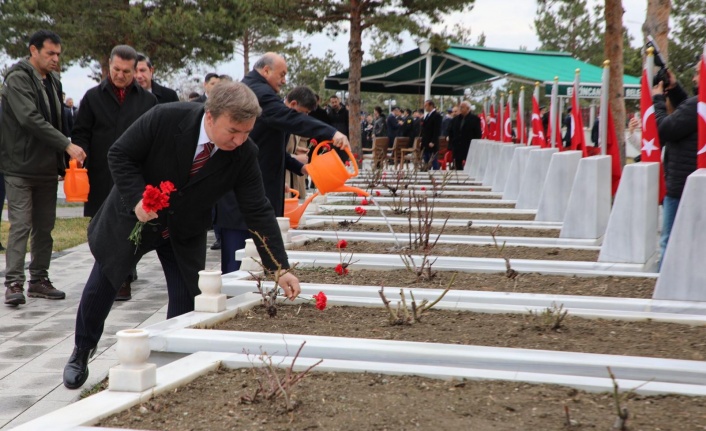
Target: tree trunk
point(246, 52)
point(355, 58)
point(614, 52)
point(657, 24)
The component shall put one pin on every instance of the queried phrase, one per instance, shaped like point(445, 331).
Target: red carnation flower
point(153, 200)
point(342, 244)
point(377, 193)
point(320, 300)
point(364, 202)
point(360, 210)
point(423, 188)
point(341, 270)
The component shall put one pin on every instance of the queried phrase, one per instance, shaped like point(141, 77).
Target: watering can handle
point(73, 164)
point(295, 192)
point(346, 149)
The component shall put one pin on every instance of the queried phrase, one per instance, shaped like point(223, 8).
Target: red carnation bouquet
point(153, 199)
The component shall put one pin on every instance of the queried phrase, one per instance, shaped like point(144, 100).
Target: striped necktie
point(201, 158)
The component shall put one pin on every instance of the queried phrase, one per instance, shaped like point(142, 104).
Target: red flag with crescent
point(538, 137)
point(578, 138)
point(507, 125)
point(492, 129)
point(650, 148)
point(701, 111)
point(483, 126)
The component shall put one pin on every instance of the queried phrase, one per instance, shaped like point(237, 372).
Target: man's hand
point(301, 158)
point(76, 152)
point(340, 140)
point(143, 215)
point(658, 89)
point(290, 284)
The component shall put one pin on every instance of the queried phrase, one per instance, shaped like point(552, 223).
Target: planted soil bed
point(402, 230)
point(524, 331)
point(386, 206)
point(620, 287)
point(354, 402)
point(438, 215)
point(460, 250)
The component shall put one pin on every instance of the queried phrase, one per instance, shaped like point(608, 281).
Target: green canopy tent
point(462, 66)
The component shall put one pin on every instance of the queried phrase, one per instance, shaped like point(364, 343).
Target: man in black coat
point(145, 77)
point(162, 146)
point(431, 130)
point(209, 81)
point(107, 110)
point(678, 133)
point(463, 129)
point(271, 128)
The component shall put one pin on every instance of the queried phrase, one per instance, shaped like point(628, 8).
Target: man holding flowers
point(172, 143)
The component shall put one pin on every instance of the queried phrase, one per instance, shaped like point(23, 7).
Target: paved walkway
point(36, 339)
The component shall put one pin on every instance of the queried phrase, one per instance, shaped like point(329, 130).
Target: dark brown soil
point(523, 331)
point(357, 402)
point(623, 287)
point(448, 230)
point(438, 215)
point(461, 250)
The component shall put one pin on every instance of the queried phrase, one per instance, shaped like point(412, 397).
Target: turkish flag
point(614, 152)
point(492, 129)
point(578, 139)
point(507, 125)
point(483, 128)
point(701, 110)
point(537, 128)
point(520, 125)
point(651, 150)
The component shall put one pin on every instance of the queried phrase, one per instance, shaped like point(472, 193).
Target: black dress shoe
point(216, 245)
point(125, 292)
point(76, 370)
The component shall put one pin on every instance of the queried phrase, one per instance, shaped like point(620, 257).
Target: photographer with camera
point(677, 126)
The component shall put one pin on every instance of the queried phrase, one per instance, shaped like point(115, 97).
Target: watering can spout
point(355, 190)
point(295, 212)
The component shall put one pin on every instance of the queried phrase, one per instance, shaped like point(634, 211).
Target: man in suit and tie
point(463, 129)
point(209, 82)
point(431, 130)
point(162, 146)
point(144, 74)
point(69, 115)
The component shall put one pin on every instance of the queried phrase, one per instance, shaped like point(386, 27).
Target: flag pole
point(509, 114)
point(552, 111)
point(577, 81)
point(603, 118)
point(650, 66)
point(535, 96)
point(521, 111)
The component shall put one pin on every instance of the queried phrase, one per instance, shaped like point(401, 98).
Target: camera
point(662, 74)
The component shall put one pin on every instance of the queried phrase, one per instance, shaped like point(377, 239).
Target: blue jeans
point(669, 213)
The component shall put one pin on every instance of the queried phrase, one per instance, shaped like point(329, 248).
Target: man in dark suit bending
point(162, 146)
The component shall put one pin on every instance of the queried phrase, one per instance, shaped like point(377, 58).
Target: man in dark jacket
point(144, 74)
point(277, 120)
point(393, 123)
point(338, 115)
point(678, 133)
point(463, 129)
point(32, 149)
point(107, 110)
point(431, 130)
point(204, 152)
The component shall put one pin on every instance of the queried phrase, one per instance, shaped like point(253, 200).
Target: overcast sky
point(506, 24)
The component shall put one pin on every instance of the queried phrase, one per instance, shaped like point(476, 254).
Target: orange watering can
point(293, 210)
point(76, 185)
point(330, 174)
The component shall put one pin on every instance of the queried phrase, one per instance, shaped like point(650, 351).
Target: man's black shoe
point(216, 245)
point(125, 292)
point(76, 370)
